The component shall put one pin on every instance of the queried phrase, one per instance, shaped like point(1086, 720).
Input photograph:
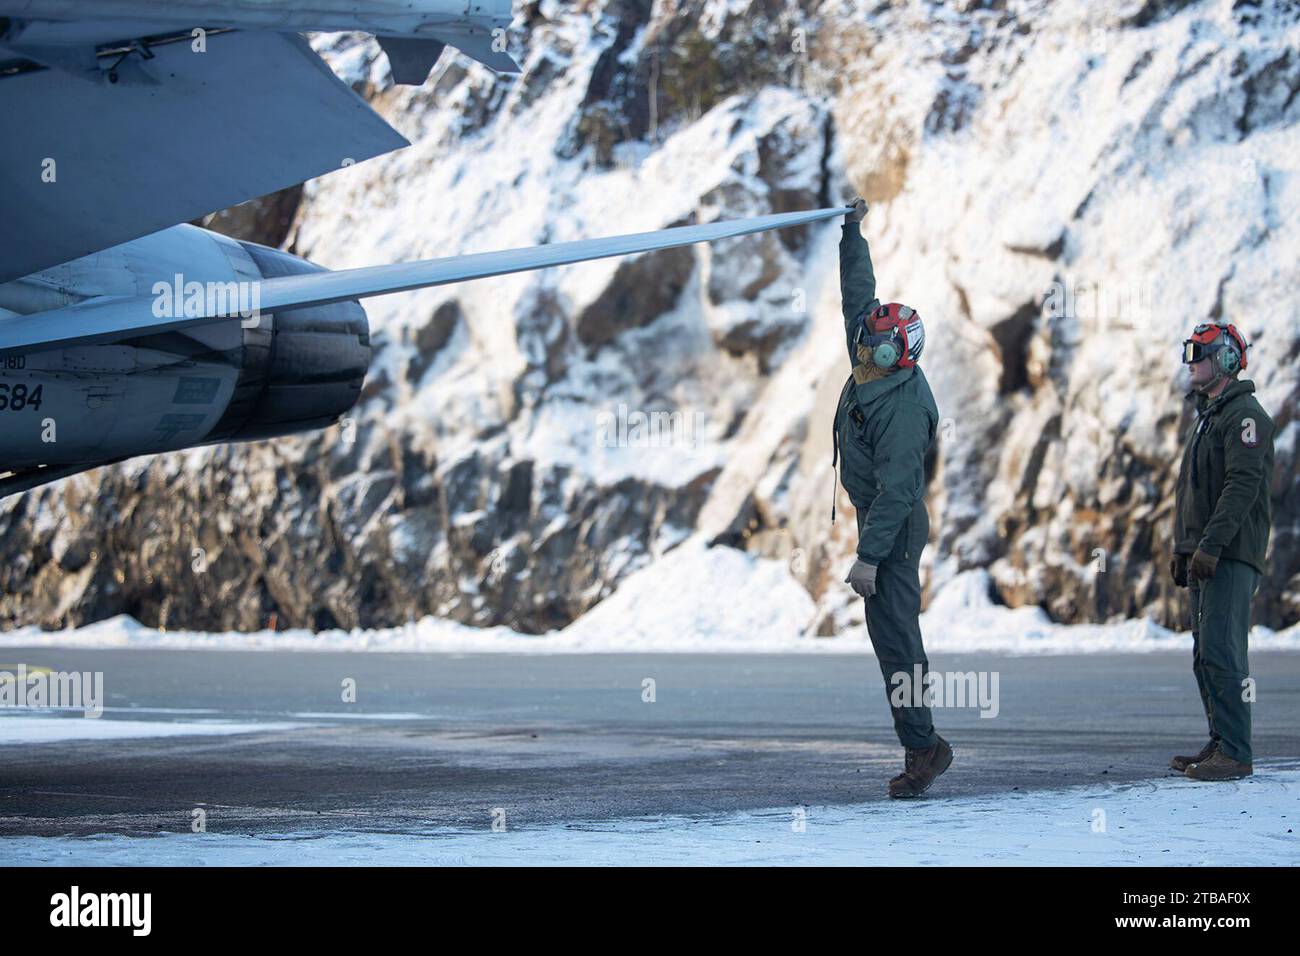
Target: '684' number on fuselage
point(19, 397)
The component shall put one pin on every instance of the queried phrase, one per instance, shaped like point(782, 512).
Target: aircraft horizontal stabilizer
point(109, 318)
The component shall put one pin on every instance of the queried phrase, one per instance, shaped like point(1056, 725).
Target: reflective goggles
point(1205, 341)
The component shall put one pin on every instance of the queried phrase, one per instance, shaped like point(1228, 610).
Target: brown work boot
point(1182, 763)
point(921, 768)
point(1219, 766)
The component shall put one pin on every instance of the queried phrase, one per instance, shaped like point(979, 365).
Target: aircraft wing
point(86, 164)
point(108, 318)
point(124, 117)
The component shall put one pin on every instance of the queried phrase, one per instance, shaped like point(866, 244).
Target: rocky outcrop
point(1061, 189)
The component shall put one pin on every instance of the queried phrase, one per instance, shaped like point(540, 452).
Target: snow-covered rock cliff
point(1061, 189)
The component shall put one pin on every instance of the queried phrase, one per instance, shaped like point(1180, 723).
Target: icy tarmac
point(630, 759)
point(1160, 823)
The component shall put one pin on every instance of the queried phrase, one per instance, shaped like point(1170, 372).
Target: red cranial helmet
point(1220, 341)
point(894, 333)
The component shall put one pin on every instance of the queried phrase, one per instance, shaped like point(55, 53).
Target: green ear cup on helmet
point(1219, 342)
point(886, 355)
point(1228, 359)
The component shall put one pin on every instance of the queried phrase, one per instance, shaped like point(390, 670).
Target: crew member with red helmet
point(1222, 519)
point(885, 424)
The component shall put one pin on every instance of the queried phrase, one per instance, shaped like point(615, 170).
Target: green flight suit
point(1220, 627)
point(1223, 508)
point(883, 429)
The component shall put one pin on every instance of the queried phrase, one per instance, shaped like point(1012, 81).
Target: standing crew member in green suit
point(1221, 526)
point(884, 425)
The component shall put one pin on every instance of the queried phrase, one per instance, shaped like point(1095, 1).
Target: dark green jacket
point(883, 430)
point(1223, 504)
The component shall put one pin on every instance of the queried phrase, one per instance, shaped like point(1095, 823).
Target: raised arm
point(857, 278)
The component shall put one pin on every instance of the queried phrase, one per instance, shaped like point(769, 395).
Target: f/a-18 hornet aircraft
point(108, 107)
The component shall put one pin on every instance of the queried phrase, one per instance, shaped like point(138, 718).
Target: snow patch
point(694, 599)
point(1170, 822)
point(699, 598)
point(17, 727)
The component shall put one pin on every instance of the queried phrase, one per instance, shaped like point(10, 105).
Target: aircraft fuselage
point(381, 17)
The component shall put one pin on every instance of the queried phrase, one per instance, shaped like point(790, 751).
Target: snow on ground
point(22, 727)
point(1169, 822)
point(694, 599)
point(697, 597)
